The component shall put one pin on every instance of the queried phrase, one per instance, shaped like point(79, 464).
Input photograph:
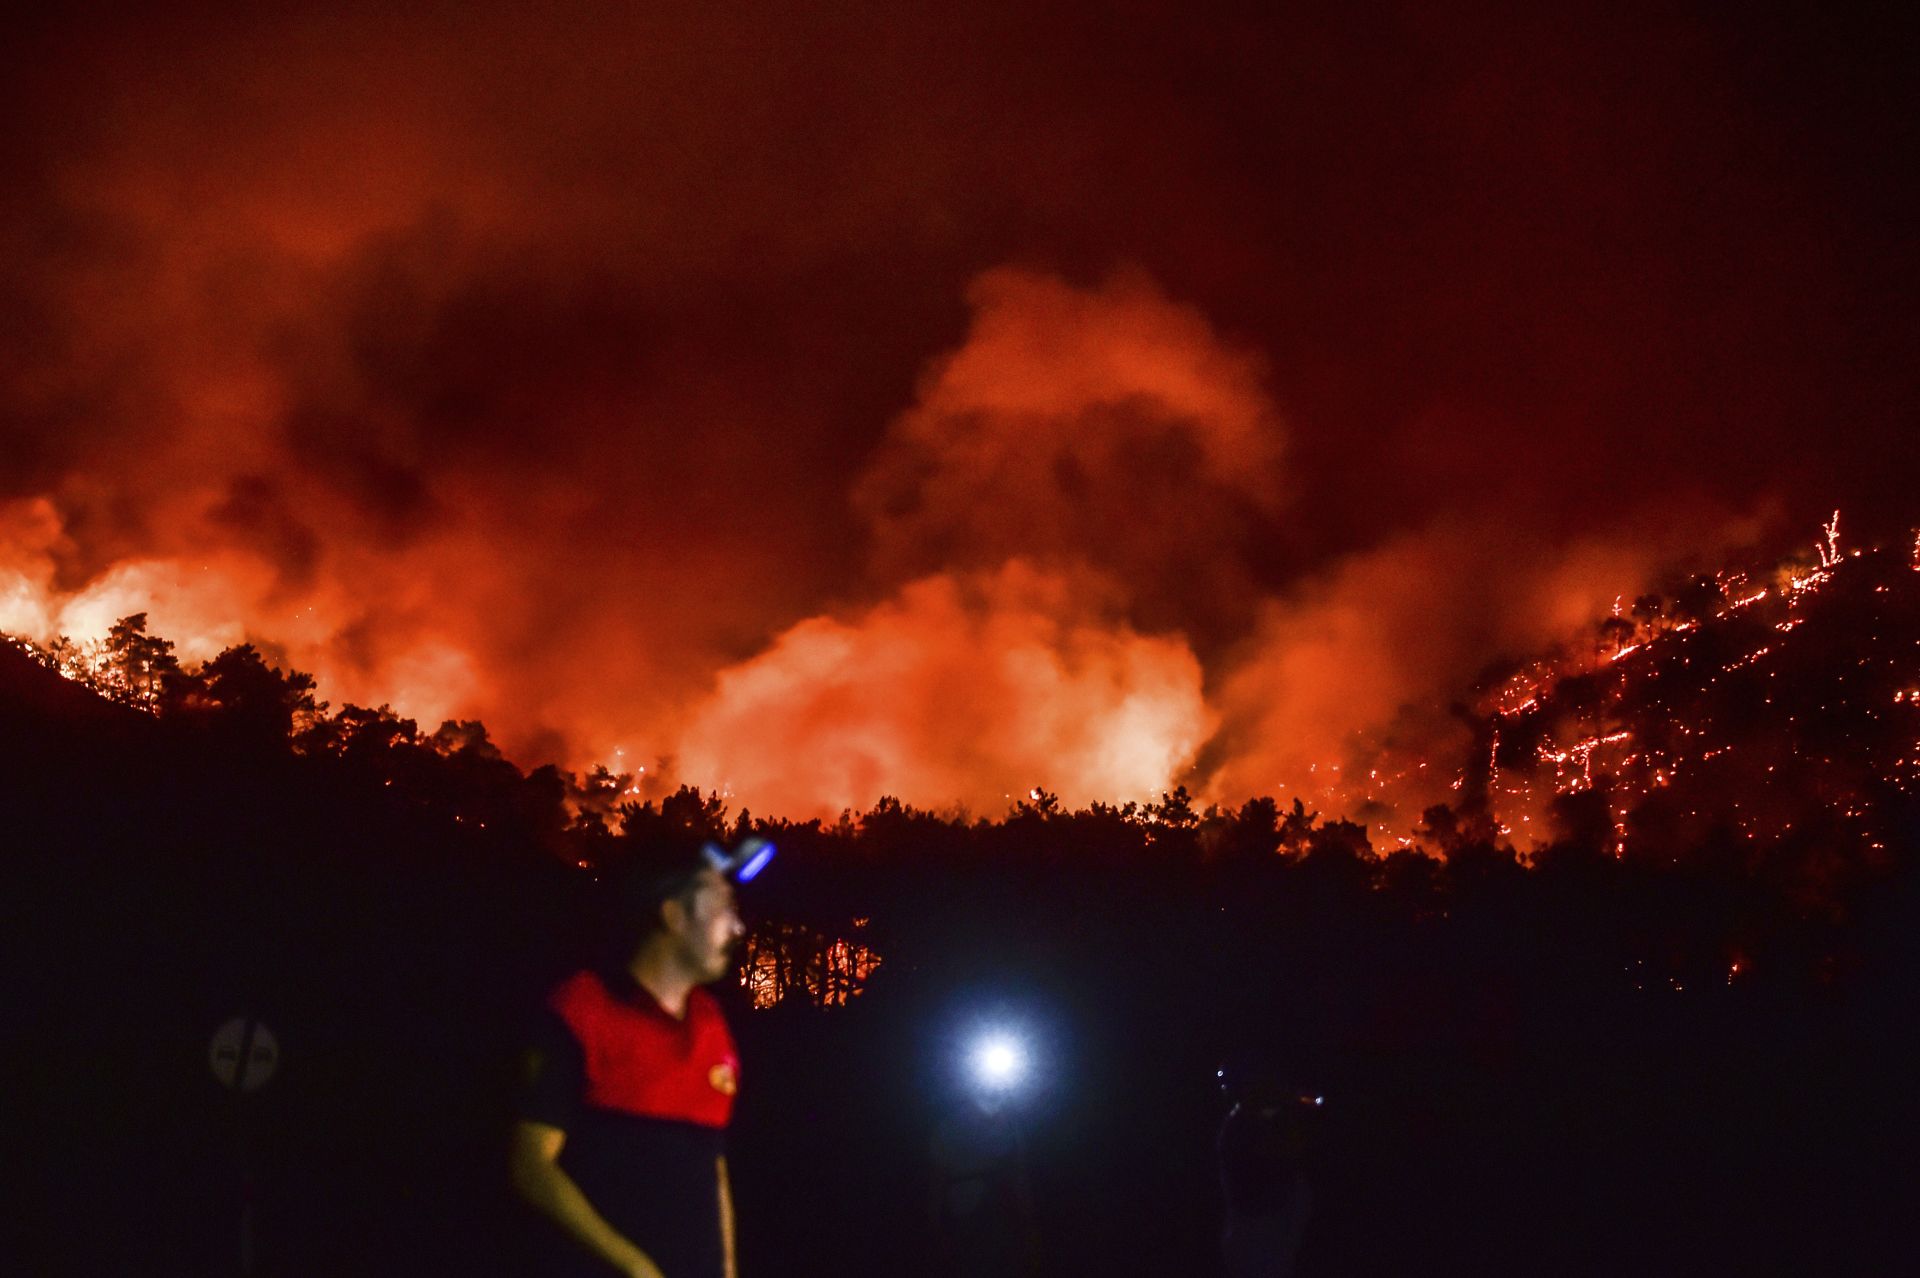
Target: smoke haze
point(866, 401)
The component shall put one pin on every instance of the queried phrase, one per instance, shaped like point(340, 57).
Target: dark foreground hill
point(162, 879)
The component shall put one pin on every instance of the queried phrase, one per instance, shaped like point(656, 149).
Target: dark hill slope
point(161, 878)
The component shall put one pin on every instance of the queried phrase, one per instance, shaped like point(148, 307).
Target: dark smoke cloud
point(578, 366)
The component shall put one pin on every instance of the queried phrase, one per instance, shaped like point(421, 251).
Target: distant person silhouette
point(982, 1200)
point(1263, 1174)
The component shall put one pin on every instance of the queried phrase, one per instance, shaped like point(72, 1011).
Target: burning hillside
point(1746, 710)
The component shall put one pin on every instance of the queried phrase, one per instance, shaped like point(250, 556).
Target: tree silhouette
point(247, 699)
point(138, 666)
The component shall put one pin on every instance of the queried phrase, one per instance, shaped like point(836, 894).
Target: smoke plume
point(962, 690)
point(627, 376)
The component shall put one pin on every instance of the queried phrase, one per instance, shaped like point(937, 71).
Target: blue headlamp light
point(741, 864)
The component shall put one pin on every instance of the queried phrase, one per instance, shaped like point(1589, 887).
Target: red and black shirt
point(644, 1099)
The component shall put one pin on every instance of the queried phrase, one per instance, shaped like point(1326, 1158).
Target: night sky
point(837, 400)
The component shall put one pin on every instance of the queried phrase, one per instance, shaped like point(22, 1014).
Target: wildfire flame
point(1588, 748)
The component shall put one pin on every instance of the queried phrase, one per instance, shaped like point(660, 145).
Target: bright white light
point(999, 1061)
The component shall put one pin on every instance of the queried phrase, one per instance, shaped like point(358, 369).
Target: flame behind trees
point(1764, 703)
point(1764, 727)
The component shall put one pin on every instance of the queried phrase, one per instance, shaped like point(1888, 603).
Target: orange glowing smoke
point(1106, 426)
point(1058, 531)
point(960, 690)
point(830, 401)
point(1073, 464)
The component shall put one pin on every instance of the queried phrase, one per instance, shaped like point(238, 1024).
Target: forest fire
point(1045, 489)
point(1698, 700)
point(1363, 540)
point(787, 961)
point(1689, 705)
